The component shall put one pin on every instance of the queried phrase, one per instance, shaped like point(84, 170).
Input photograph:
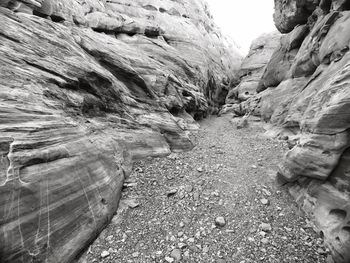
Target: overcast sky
point(243, 20)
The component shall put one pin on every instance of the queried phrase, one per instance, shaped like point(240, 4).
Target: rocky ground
point(217, 203)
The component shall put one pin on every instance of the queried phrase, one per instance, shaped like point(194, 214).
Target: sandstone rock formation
point(87, 87)
point(304, 90)
point(251, 71)
point(253, 67)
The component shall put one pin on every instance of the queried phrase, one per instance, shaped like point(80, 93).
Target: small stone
point(196, 196)
point(321, 251)
point(187, 254)
point(176, 254)
point(200, 169)
point(135, 255)
point(182, 245)
point(266, 227)
point(171, 192)
point(215, 194)
point(264, 201)
point(220, 221)
point(182, 224)
point(169, 259)
point(132, 203)
point(180, 234)
point(266, 192)
point(288, 229)
point(188, 188)
point(191, 240)
point(264, 241)
point(262, 233)
point(254, 167)
point(105, 254)
point(206, 249)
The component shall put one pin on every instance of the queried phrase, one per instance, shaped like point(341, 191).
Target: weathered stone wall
point(86, 87)
point(304, 91)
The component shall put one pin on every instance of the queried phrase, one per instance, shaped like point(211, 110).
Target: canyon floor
point(218, 203)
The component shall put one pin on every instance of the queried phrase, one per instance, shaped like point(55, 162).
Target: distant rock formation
point(304, 90)
point(251, 71)
point(86, 88)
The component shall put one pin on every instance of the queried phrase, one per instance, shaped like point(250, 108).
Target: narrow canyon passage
point(217, 203)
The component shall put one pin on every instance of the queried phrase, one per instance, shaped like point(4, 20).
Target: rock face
point(253, 67)
point(86, 88)
point(304, 90)
point(250, 73)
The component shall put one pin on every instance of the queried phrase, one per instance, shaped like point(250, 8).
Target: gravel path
point(217, 203)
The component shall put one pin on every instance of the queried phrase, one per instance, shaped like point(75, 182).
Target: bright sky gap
point(243, 21)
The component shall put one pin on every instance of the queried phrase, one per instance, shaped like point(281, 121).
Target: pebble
point(169, 259)
point(105, 254)
point(196, 196)
point(132, 203)
point(262, 233)
point(182, 245)
point(266, 227)
point(176, 254)
point(187, 254)
point(220, 221)
point(171, 192)
point(206, 249)
point(264, 201)
point(266, 192)
point(264, 241)
point(188, 188)
point(191, 240)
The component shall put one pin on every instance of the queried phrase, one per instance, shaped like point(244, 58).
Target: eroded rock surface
point(243, 97)
point(305, 91)
point(253, 67)
point(86, 88)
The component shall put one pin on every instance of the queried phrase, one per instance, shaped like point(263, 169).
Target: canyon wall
point(86, 88)
point(304, 91)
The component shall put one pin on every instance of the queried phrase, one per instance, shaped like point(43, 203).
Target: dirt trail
point(172, 208)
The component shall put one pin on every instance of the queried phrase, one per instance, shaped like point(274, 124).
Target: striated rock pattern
point(304, 90)
point(253, 67)
point(86, 88)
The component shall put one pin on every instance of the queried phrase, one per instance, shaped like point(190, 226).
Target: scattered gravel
point(218, 203)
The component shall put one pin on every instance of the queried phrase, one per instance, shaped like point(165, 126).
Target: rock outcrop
point(250, 73)
point(86, 88)
point(304, 91)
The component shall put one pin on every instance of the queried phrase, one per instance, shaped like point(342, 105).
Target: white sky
point(243, 20)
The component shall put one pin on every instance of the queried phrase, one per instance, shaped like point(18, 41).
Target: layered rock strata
point(251, 71)
point(304, 90)
point(86, 88)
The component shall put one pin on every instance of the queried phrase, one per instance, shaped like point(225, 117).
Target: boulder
point(289, 14)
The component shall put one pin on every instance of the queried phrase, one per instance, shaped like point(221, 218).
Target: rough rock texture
point(305, 91)
point(290, 13)
point(253, 67)
point(87, 87)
